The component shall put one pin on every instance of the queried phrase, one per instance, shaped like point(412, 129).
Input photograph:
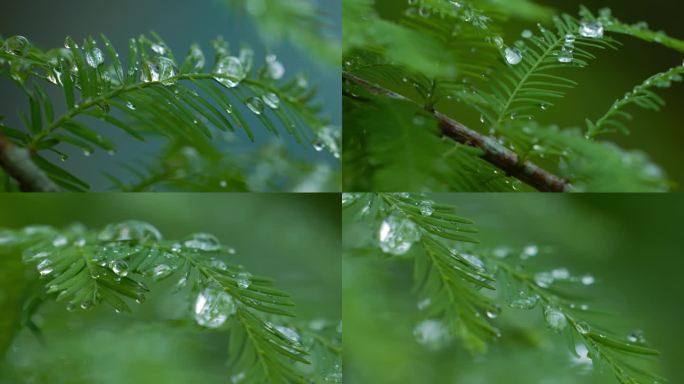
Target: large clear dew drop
point(212, 307)
point(591, 29)
point(555, 319)
point(94, 57)
point(513, 56)
point(397, 234)
point(230, 71)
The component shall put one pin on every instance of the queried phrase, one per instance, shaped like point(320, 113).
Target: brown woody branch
point(18, 165)
point(492, 152)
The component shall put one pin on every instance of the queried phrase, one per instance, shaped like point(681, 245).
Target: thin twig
point(493, 152)
point(17, 164)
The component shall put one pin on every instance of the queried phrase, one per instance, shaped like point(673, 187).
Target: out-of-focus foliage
point(305, 23)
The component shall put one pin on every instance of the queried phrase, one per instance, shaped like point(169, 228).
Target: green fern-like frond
point(638, 30)
point(628, 359)
point(531, 80)
point(85, 268)
point(462, 285)
point(642, 95)
point(399, 152)
point(153, 93)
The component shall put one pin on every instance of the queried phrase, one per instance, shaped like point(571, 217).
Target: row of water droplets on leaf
point(588, 29)
point(453, 9)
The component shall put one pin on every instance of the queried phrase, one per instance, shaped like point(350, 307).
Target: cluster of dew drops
point(397, 234)
point(230, 71)
point(212, 307)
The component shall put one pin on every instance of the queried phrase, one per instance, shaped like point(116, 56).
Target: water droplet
point(130, 230)
point(17, 45)
point(426, 208)
point(482, 119)
point(223, 184)
point(529, 251)
point(130, 106)
point(591, 29)
point(275, 68)
point(583, 327)
point(218, 264)
point(560, 274)
point(513, 56)
point(565, 56)
point(45, 267)
point(555, 318)
point(237, 378)
point(526, 34)
point(231, 71)
point(473, 260)
point(433, 334)
point(203, 242)
point(424, 12)
point(501, 252)
point(244, 280)
point(212, 307)
point(94, 57)
point(423, 304)
point(330, 138)
point(544, 107)
point(60, 241)
point(71, 306)
point(569, 40)
point(271, 99)
point(119, 267)
point(86, 304)
point(494, 312)
point(161, 271)
point(397, 234)
point(525, 301)
point(637, 337)
point(160, 69)
point(543, 279)
point(256, 105)
point(289, 333)
point(348, 198)
point(159, 49)
point(499, 42)
point(587, 279)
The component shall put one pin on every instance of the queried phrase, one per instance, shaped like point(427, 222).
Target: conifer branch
point(17, 164)
point(492, 152)
point(87, 268)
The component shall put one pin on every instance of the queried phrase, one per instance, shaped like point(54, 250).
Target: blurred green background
point(614, 73)
point(294, 239)
point(180, 23)
point(630, 243)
